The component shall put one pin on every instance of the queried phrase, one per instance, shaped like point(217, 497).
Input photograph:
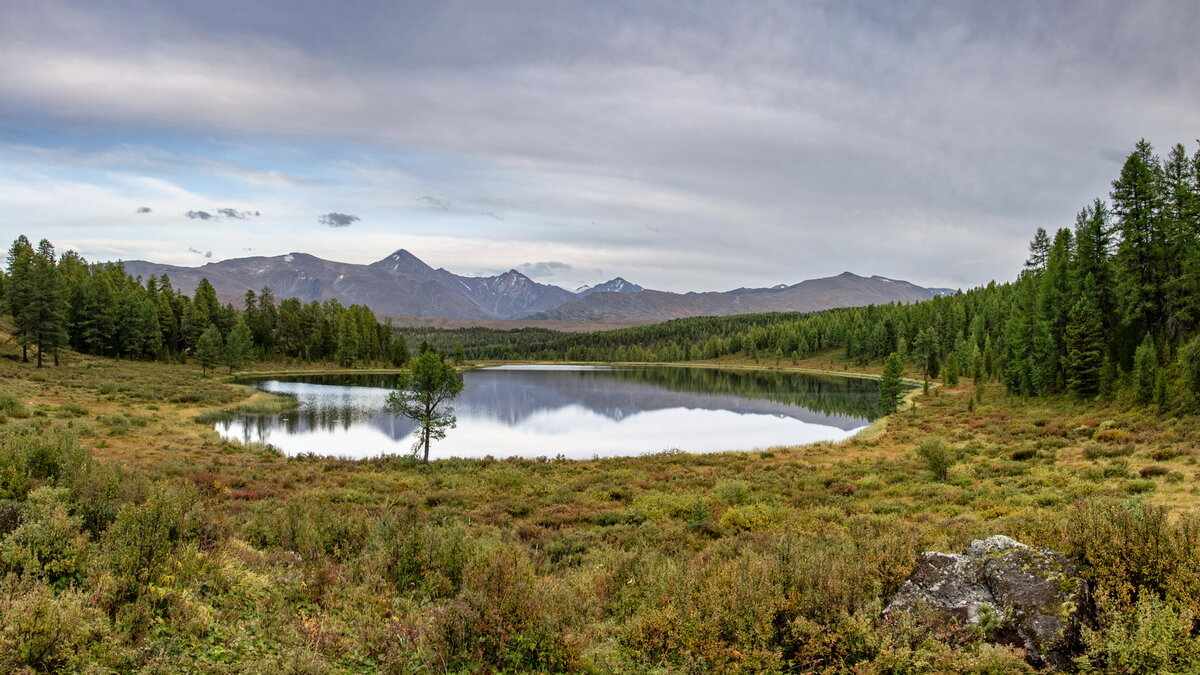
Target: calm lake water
point(574, 411)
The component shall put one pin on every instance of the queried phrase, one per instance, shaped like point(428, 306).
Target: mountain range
point(401, 284)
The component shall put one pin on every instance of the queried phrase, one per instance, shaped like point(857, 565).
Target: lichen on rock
point(1037, 596)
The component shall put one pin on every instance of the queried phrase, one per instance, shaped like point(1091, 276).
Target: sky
point(698, 145)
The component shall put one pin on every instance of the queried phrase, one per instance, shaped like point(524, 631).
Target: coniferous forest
point(63, 301)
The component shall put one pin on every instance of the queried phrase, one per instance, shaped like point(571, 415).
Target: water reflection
point(574, 411)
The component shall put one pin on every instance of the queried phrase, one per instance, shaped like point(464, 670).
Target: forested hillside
point(1107, 306)
point(63, 301)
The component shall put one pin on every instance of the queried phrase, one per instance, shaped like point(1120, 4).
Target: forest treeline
point(1110, 305)
point(60, 301)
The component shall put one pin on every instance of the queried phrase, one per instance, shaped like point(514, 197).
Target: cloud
point(143, 209)
point(221, 214)
point(234, 213)
point(913, 140)
point(544, 269)
point(435, 203)
point(206, 254)
point(492, 214)
point(335, 219)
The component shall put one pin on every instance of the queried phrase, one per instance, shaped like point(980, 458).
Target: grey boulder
point(1029, 597)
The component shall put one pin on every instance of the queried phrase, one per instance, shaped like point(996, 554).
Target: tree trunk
point(24, 353)
point(426, 434)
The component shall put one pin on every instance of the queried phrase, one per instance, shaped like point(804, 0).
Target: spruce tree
point(1085, 345)
point(891, 384)
point(19, 293)
point(1145, 371)
point(46, 316)
point(1039, 251)
point(238, 345)
point(209, 349)
point(1137, 201)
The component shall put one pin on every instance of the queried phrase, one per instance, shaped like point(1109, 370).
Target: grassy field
point(134, 539)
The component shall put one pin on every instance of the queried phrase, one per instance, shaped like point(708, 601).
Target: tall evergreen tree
point(209, 349)
point(1039, 251)
point(891, 384)
point(1085, 345)
point(238, 345)
point(20, 292)
point(1145, 371)
point(1141, 249)
point(47, 314)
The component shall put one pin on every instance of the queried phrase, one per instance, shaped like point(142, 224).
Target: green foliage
point(891, 384)
point(423, 395)
point(29, 458)
point(43, 631)
point(1145, 371)
point(1155, 637)
point(143, 537)
point(48, 545)
point(209, 349)
point(938, 457)
point(238, 345)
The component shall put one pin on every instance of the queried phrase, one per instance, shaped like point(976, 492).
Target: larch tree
point(209, 349)
point(423, 395)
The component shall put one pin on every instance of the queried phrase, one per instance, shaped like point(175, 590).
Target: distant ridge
point(402, 284)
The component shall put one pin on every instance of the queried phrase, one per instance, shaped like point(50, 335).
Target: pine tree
point(1145, 371)
point(1039, 251)
point(238, 345)
point(1085, 345)
point(20, 292)
point(47, 313)
point(209, 348)
point(891, 384)
point(1137, 201)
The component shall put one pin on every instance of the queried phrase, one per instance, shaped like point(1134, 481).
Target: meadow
point(134, 539)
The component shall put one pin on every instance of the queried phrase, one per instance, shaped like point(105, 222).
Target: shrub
point(48, 545)
point(1131, 549)
point(143, 537)
point(42, 632)
point(1155, 637)
point(11, 406)
point(29, 457)
point(750, 518)
point(938, 457)
point(1153, 470)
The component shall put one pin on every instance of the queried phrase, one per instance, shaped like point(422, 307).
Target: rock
point(1036, 597)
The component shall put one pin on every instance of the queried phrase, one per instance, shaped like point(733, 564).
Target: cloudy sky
point(699, 145)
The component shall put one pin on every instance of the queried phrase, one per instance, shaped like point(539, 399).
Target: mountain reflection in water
point(575, 411)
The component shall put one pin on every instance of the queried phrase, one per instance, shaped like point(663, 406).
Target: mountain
point(844, 290)
point(402, 284)
point(617, 285)
point(399, 284)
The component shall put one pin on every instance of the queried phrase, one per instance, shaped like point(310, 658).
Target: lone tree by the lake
point(422, 395)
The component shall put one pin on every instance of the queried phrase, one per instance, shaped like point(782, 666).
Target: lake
point(575, 412)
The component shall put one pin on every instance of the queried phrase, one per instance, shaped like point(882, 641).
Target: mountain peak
point(614, 285)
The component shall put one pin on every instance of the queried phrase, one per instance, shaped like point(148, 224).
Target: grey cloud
point(206, 254)
point(335, 219)
point(235, 214)
point(492, 214)
point(143, 209)
point(434, 202)
point(199, 215)
point(543, 269)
